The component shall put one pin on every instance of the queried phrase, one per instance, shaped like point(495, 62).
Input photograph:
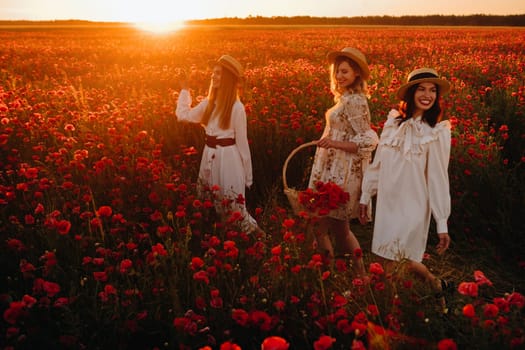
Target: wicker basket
point(291, 193)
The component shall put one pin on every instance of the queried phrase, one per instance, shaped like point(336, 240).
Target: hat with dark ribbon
point(423, 75)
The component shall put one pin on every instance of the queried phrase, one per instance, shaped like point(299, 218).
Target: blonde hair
point(358, 86)
point(221, 99)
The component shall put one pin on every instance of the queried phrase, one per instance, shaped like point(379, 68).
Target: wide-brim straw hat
point(355, 55)
point(423, 75)
point(231, 64)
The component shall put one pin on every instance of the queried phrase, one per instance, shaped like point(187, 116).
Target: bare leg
point(424, 273)
point(347, 243)
point(324, 243)
point(310, 240)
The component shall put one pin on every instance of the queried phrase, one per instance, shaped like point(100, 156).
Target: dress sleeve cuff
point(365, 198)
point(441, 226)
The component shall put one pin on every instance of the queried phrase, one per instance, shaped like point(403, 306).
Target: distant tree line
point(59, 23)
point(430, 20)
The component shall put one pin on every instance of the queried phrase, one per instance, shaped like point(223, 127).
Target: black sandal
point(447, 289)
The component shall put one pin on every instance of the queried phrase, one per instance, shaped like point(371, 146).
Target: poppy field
point(105, 241)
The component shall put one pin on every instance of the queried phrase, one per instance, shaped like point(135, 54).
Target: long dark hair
point(431, 116)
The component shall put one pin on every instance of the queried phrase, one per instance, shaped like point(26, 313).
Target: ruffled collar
point(409, 136)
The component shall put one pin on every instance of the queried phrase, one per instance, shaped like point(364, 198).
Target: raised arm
point(184, 112)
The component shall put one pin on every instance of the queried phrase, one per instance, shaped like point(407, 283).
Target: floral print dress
point(348, 120)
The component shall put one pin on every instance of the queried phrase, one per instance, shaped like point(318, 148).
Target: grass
point(461, 260)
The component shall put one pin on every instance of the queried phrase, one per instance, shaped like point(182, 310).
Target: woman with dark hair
point(226, 160)
point(409, 175)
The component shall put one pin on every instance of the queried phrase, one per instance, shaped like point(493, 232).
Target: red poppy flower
point(63, 227)
point(196, 263)
point(345, 326)
point(480, 278)
point(376, 269)
point(104, 211)
point(201, 276)
point(240, 316)
point(373, 310)
point(51, 288)
point(274, 343)
point(277, 250)
point(324, 342)
point(447, 344)
point(490, 310)
point(288, 223)
point(469, 311)
point(468, 288)
point(100, 276)
point(39, 209)
point(125, 265)
point(230, 346)
point(261, 319)
point(16, 311)
point(516, 299)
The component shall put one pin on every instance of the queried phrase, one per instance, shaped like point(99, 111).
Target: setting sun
point(159, 26)
point(157, 16)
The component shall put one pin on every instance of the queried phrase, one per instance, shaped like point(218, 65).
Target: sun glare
point(160, 27)
point(157, 16)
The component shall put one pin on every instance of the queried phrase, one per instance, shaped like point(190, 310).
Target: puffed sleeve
point(184, 112)
point(371, 175)
point(438, 182)
point(358, 113)
point(239, 124)
point(370, 178)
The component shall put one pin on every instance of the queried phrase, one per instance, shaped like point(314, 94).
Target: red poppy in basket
point(325, 197)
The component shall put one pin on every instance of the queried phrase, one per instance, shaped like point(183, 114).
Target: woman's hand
point(183, 80)
point(444, 242)
point(347, 146)
point(325, 142)
point(363, 214)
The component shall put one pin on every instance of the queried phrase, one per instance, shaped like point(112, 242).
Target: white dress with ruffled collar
point(409, 175)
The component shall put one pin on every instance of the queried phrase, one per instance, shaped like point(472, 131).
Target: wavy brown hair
point(359, 85)
point(221, 99)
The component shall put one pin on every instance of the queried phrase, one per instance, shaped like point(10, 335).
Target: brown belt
point(213, 141)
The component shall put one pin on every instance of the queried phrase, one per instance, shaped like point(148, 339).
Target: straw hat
point(355, 55)
point(423, 75)
point(231, 64)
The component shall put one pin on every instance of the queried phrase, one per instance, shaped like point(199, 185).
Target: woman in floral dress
point(344, 149)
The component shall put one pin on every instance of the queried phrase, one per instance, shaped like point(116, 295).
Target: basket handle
point(304, 145)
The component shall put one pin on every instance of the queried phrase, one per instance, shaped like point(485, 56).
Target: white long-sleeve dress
point(349, 121)
point(229, 167)
point(409, 175)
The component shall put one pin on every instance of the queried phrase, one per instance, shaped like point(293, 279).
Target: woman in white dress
point(226, 160)
point(409, 175)
point(344, 150)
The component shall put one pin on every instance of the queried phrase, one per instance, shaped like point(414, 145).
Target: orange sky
point(176, 10)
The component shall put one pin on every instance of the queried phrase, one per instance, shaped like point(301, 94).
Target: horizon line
point(249, 17)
